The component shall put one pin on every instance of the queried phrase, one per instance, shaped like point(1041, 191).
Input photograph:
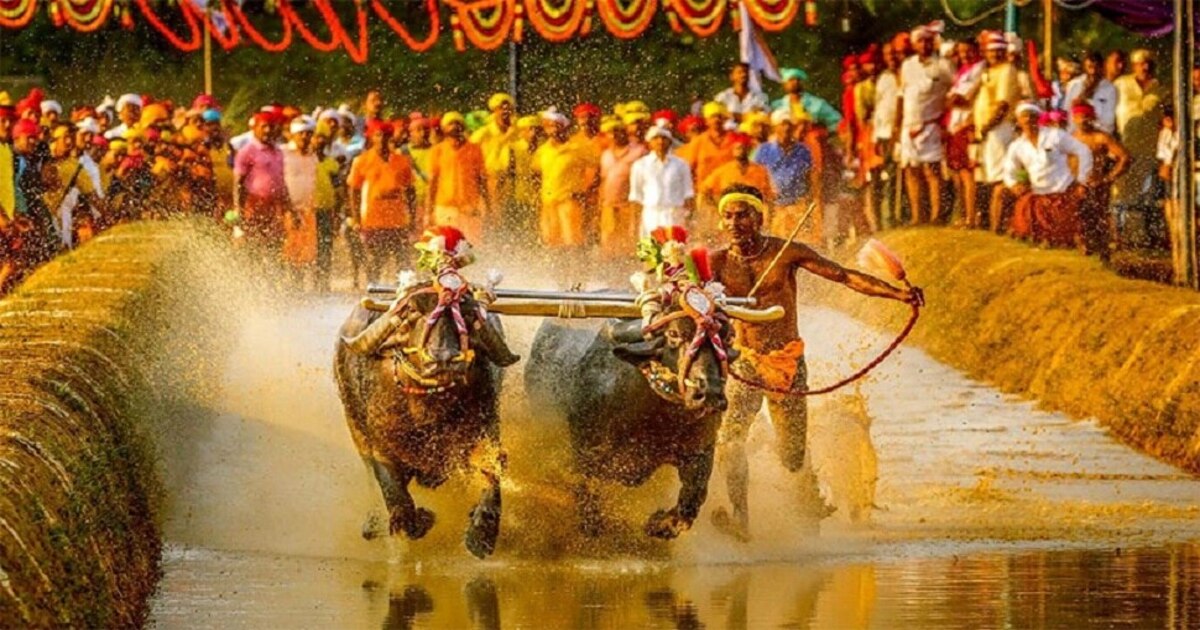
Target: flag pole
point(1048, 36)
point(208, 79)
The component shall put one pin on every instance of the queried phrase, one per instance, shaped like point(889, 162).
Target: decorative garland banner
point(484, 24)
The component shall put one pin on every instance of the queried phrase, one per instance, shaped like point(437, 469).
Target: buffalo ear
point(640, 351)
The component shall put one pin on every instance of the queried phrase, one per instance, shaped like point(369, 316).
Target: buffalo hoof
point(667, 524)
point(372, 528)
point(482, 532)
point(738, 529)
point(416, 527)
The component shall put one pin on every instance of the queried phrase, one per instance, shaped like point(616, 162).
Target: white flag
point(754, 52)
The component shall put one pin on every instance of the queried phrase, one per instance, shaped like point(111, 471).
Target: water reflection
point(1158, 587)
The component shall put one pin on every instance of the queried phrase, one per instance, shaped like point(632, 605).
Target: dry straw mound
point(83, 349)
point(1057, 327)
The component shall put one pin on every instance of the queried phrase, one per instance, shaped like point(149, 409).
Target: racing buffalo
point(637, 399)
point(420, 386)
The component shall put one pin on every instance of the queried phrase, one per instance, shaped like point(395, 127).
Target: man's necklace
point(761, 248)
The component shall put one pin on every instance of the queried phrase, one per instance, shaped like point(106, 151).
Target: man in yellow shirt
point(525, 189)
point(495, 140)
point(995, 105)
point(569, 171)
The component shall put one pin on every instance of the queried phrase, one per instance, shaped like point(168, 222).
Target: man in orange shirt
point(381, 188)
point(710, 150)
point(458, 193)
point(569, 172)
point(738, 171)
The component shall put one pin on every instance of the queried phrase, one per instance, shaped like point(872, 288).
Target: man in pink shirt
point(618, 216)
point(262, 190)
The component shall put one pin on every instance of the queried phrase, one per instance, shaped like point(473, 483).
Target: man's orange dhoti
point(619, 229)
point(561, 223)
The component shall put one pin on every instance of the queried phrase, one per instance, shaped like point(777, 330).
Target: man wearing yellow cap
point(495, 140)
point(772, 353)
point(708, 152)
point(458, 190)
point(619, 218)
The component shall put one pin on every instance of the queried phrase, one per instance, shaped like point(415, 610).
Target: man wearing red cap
point(261, 189)
point(587, 119)
point(739, 171)
point(1110, 160)
point(381, 189)
point(960, 125)
point(995, 105)
point(35, 176)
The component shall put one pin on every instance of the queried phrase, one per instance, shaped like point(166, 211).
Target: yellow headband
point(751, 200)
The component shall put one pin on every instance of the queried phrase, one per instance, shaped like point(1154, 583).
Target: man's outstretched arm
point(866, 284)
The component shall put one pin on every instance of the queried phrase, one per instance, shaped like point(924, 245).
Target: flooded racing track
point(976, 510)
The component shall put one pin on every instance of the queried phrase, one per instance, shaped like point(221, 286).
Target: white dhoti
point(655, 217)
point(926, 146)
point(994, 148)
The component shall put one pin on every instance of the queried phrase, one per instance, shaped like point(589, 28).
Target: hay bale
point(80, 343)
point(1057, 327)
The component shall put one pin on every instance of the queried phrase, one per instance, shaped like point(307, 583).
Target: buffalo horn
point(367, 341)
point(754, 315)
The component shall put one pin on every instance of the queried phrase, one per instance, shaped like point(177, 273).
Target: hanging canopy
point(1151, 18)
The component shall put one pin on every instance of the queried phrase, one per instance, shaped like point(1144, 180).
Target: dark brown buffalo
point(622, 429)
point(421, 406)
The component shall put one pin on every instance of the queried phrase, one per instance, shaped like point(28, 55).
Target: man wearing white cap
point(569, 174)
point(129, 111)
point(789, 163)
point(1140, 101)
point(994, 105)
point(300, 176)
point(925, 78)
point(51, 113)
point(1038, 174)
point(661, 183)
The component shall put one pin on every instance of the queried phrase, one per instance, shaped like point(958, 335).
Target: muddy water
point(957, 506)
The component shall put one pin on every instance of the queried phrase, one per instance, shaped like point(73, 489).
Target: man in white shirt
point(741, 99)
point(129, 112)
point(1092, 88)
point(883, 125)
point(925, 78)
point(1037, 172)
point(661, 183)
point(961, 148)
